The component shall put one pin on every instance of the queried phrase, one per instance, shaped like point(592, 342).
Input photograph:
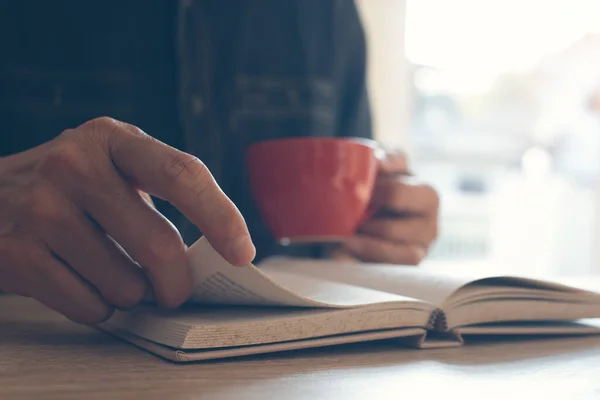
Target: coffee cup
point(313, 190)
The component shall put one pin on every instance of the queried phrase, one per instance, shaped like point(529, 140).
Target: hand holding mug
point(343, 191)
point(406, 223)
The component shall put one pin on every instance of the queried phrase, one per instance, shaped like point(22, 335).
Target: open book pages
point(460, 300)
point(267, 308)
point(299, 301)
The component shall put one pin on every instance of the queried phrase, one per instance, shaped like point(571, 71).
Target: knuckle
point(93, 128)
point(102, 126)
point(107, 127)
point(165, 247)
point(135, 132)
point(65, 153)
point(42, 204)
point(101, 129)
point(103, 122)
point(68, 157)
point(124, 128)
point(186, 169)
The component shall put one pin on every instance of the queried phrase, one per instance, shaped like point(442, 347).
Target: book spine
point(437, 321)
point(437, 334)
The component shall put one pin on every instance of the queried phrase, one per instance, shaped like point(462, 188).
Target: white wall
point(388, 74)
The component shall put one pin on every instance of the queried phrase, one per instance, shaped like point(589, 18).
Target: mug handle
point(379, 153)
point(372, 209)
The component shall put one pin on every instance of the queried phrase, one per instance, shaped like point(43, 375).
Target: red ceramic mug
point(313, 189)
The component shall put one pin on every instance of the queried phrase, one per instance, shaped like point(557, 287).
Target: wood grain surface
point(44, 356)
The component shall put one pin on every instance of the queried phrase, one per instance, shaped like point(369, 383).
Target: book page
point(218, 282)
point(439, 288)
point(414, 282)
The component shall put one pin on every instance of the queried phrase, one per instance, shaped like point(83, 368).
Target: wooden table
point(44, 356)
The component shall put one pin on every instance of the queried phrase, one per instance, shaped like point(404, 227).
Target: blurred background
point(497, 103)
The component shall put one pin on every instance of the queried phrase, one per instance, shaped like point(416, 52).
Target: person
point(79, 230)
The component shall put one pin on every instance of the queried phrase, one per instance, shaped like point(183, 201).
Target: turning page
point(413, 282)
point(218, 282)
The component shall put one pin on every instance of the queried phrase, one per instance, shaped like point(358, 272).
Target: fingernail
point(242, 251)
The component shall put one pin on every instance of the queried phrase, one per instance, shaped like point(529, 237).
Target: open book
point(294, 304)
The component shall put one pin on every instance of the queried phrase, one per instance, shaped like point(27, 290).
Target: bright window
point(505, 122)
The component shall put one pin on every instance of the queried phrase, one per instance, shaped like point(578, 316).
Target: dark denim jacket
point(207, 76)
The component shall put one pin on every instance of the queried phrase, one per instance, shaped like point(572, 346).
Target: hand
point(77, 234)
point(405, 226)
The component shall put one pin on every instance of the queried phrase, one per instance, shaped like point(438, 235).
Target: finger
point(13, 279)
point(90, 252)
point(393, 163)
point(415, 229)
point(114, 205)
point(55, 285)
point(341, 254)
point(60, 289)
point(370, 249)
point(404, 197)
point(147, 236)
point(185, 182)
